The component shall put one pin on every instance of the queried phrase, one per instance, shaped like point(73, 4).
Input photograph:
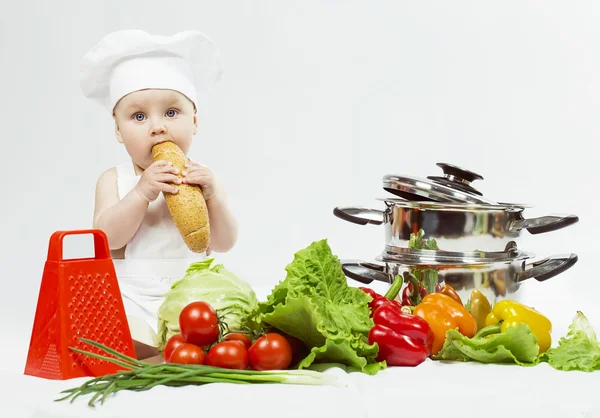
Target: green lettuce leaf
point(340, 351)
point(315, 304)
point(578, 350)
point(515, 345)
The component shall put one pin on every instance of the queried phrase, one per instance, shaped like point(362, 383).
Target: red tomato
point(187, 354)
point(228, 355)
point(239, 337)
point(270, 352)
point(199, 324)
point(299, 350)
point(174, 342)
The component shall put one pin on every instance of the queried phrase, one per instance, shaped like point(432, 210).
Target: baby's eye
point(171, 113)
point(139, 117)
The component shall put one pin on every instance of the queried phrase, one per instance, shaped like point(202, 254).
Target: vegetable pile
point(206, 315)
point(508, 332)
point(525, 341)
point(206, 339)
point(213, 329)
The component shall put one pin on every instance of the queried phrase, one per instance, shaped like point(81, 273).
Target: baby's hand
point(201, 175)
point(156, 179)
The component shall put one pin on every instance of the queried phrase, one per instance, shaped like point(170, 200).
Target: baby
point(152, 86)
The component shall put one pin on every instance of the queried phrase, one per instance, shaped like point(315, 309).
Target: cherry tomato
point(239, 337)
point(270, 352)
point(174, 342)
point(187, 354)
point(199, 324)
point(228, 355)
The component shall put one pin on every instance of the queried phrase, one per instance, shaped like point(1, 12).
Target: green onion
point(141, 376)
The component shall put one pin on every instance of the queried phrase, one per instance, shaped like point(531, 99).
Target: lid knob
point(457, 178)
point(455, 173)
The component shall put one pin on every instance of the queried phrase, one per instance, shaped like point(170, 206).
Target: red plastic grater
point(78, 298)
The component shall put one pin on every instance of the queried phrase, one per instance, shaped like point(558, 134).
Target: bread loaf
point(187, 207)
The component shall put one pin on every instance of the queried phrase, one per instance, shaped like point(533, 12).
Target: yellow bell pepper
point(480, 307)
point(512, 313)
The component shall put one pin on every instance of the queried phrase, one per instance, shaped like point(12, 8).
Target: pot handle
point(549, 267)
point(365, 272)
point(360, 216)
point(545, 223)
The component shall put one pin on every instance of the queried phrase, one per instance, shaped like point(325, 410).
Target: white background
point(320, 99)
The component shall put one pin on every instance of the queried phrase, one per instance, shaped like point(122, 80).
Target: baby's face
point(147, 117)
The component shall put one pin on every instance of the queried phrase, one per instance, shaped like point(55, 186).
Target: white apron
point(155, 258)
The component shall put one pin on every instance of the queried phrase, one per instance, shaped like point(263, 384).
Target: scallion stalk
point(141, 376)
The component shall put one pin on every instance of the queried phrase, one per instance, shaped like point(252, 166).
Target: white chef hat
point(130, 60)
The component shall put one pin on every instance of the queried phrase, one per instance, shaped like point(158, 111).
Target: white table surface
point(430, 389)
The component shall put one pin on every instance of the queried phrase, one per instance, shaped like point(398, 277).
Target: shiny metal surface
point(453, 229)
point(463, 228)
point(496, 280)
point(453, 186)
point(414, 188)
point(461, 207)
point(393, 254)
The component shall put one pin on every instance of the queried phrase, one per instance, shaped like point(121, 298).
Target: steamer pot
point(449, 210)
point(498, 275)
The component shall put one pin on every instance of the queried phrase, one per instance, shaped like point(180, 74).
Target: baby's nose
point(157, 129)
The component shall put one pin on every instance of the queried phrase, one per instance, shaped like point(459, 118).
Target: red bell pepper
point(403, 340)
point(374, 295)
point(408, 324)
point(397, 349)
point(388, 299)
point(382, 301)
point(374, 298)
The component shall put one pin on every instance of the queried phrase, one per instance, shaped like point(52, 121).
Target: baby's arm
point(119, 219)
point(223, 226)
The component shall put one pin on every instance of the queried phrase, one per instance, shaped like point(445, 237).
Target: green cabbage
point(231, 297)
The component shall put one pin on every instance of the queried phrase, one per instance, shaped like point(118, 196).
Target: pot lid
point(403, 255)
point(453, 187)
point(424, 205)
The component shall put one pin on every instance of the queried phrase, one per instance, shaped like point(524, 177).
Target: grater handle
point(55, 249)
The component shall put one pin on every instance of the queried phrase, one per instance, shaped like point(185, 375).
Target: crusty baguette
point(187, 207)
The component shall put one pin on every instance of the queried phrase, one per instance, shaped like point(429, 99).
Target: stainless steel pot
point(449, 210)
point(498, 275)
